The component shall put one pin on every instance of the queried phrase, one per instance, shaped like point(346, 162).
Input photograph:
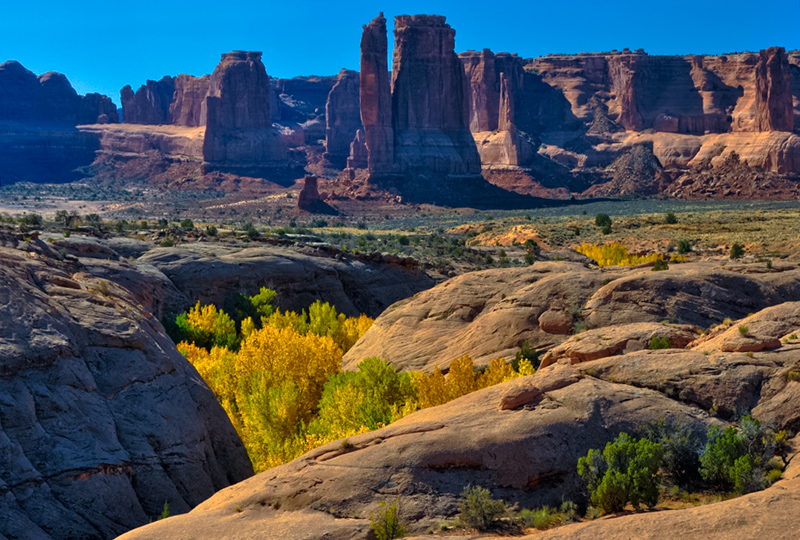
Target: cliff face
point(692, 94)
point(429, 100)
point(150, 104)
point(376, 97)
point(774, 100)
point(342, 117)
point(239, 134)
point(188, 107)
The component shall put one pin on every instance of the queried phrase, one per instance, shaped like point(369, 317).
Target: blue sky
point(101, 46)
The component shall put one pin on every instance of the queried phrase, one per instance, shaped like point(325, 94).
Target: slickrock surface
point(211, 273)
point(101, 419)
point(490, 313)
point(521, 439)
point(526, 454)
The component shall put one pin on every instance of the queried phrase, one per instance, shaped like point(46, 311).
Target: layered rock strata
point(376, 98)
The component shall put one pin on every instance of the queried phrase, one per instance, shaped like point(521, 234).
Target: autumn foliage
point(279, 376)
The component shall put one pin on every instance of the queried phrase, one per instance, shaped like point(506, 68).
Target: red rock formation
point(150, 104)
point(342, 117)
point(24, 97)
point(774, 106)
point(484, 97)
point(239, 135)
point(429, 100)
point(97, 109)
point(376, 98)
point(359, 156)
point(794, 69)
point(188, 107)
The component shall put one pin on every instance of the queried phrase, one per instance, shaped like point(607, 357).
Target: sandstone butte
point(522, 438)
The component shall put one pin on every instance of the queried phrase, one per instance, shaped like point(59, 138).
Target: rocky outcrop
point(376, 98)
point(342, 117)
point(239, 135)
point(359, 155)
point(430, 105)
point(24, 97)
point(309, 199)
point(150, 104)
point(490, 313)
point(484, 92)
point(188, 107)
point(103, 421)
point(774, 105)
point(211, 274)
point(525, 455)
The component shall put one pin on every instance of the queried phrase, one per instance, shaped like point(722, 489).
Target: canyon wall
point(745, 92)
point(150, 104)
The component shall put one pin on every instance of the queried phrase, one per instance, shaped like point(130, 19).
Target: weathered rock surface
point(212, 273)
point(430, 108)
point(527, 454)
point(774, 105)
point(239, 135)
point(619, 339)
point(188, 107)
point(484, 314)
point(376, 97)
point(490, 313)
point(150, 104)
point(102, 419)
point(342, 117)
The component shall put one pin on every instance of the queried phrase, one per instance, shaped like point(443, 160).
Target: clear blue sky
point(102, 46)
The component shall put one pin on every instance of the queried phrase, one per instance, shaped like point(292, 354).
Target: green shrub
point(166, 242)
point(478, 509)
point(740, 460)
point(744, 330)
point(211, 230)
point(681, 452)
point(659, 265)
point(659, 343)
point(530, 258)
point(627, 471)
point(602, 220)
point(670, 219)
point(684, 246)
point(737, 251)
point(607, 229)
point(526, 352)
point(386, 523)
point(541, 518)
point(187, 224)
